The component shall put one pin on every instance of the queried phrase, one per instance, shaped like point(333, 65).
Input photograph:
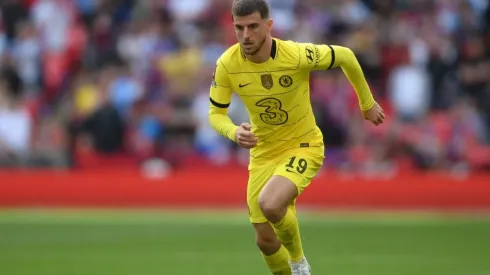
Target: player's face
point(251, 32)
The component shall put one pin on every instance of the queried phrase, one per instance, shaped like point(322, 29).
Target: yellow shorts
point(300, 165)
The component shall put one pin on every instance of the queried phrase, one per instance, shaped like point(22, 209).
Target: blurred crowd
point(132, 77)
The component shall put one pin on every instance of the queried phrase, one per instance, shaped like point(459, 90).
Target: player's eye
point(253, 26)
point(239, 28)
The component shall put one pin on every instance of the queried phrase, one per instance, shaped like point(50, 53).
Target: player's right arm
point(220, 99)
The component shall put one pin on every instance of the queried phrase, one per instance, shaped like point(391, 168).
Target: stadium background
point(103, 111)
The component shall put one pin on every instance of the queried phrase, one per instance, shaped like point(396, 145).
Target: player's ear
point(270, 22)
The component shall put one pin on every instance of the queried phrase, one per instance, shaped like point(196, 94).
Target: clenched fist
point(376, 114)
point(244, 137)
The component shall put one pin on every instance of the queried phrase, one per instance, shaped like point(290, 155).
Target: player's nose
point(246, 35)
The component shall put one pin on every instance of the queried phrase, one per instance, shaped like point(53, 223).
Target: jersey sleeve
point(220, 91)
point(314, 57)
point(220, 100)
point(325, 57)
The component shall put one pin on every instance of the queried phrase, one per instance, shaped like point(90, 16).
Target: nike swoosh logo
point(291, 171)
point(243, 85)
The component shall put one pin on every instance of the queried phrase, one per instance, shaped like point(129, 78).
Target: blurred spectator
point(13, 12)
point(97, 117)
point(409, 91)
point(132, 77)
point(15, 122)
point(26, 53)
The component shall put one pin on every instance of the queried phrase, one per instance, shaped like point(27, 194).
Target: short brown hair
point(247, 7)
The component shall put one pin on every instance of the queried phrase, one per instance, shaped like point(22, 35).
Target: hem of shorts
point(258, 220)
point(286, 177)
point(279, 154)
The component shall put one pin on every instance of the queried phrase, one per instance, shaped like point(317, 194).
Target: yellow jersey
point(276, 93)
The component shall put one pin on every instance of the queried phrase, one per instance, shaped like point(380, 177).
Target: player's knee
point(267, 243)
point(272, 209)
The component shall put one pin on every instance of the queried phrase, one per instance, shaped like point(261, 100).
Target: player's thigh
point(277, 194)
point(300, 166)
point(258, 177)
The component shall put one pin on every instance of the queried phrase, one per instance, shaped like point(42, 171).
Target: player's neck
point(263, 54)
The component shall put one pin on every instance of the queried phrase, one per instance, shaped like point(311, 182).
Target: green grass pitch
point(130, 242)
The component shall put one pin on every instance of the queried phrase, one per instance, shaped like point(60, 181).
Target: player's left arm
point(326, 57)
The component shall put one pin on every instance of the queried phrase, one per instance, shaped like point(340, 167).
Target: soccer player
point(271, 76)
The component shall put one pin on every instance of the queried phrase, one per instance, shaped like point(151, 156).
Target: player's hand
point(376, 114)
point(244, 137)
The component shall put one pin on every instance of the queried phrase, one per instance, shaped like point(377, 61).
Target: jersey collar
point(274, 49)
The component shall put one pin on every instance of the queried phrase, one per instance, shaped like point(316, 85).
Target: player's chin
point(249, 50)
